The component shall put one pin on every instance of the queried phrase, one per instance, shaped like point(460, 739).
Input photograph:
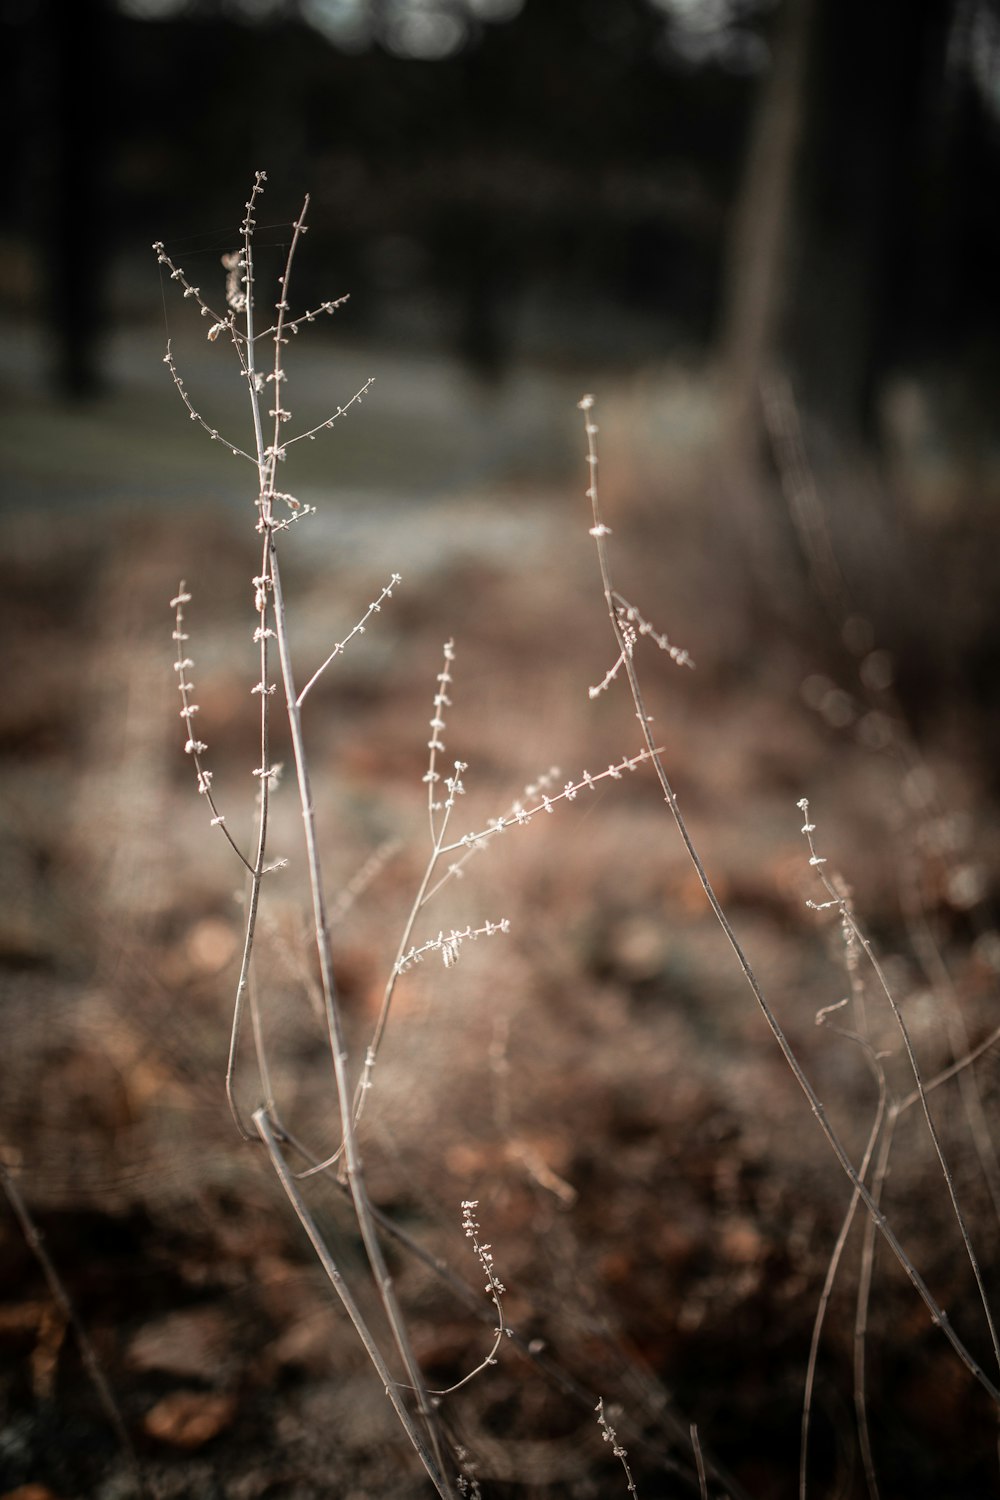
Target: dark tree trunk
point(875, 113)
point(71, 80)
point(755, 289)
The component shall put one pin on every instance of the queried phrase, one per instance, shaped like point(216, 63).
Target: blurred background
point(626, 183)
point(765, 234)
point(694, 196)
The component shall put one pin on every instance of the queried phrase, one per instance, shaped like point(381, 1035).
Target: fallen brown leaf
point(187, 1419)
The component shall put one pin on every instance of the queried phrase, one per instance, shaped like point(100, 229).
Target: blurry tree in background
point(898, 238)
point(64, 119)
point(808, 179)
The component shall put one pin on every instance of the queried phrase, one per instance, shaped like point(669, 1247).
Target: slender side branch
point(359, 629)
point(456, 870)
point(307, 317)
point(862, 1303)
point(609, 1435)
point(631, 616)
point(194, 746)
point(572, 789)
point(325, 425)
point(192, 292)
point(494, 1289)
point(213, 432)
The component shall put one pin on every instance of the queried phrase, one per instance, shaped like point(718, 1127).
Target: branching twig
point(295, 324)
point(359, 629)
point(192, 292)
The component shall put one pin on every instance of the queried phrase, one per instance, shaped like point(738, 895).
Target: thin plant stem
point(699, 1462)
point(293, 325)
point(194, 746)
point(328, 422)
point(213, 432)
point(260, 1047)
point(600, 531)
point(439, 814)
point(494, 1288)
point(506, 820)
point(438, 829)
point(359, 629)
point(609, 1435)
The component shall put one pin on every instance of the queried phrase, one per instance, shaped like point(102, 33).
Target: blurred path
point(429, 445)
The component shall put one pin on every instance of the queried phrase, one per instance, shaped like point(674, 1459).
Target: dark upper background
point(814, 178)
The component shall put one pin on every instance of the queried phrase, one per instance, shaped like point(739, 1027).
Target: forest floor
point(660, 1203)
